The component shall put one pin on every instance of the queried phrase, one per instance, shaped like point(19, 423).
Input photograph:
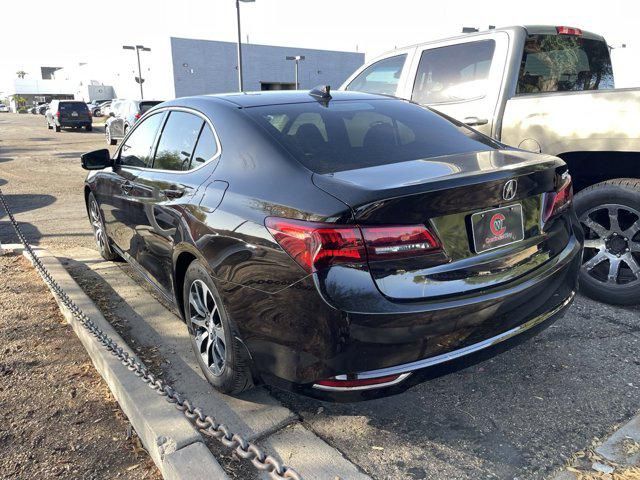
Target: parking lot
point(522, 414)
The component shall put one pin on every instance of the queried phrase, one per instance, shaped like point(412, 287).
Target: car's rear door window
point(73, 107)
point(146, 106)
point(206, 148)
point(346, 135)
point(136, 149)
point(453, 73)
point(380, 77)
point(177, 141)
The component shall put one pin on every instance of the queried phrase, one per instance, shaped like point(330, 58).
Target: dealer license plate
point(497, 227)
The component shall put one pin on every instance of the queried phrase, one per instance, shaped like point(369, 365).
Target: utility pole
point(240, 84)
point(138, 49)
point(297, 59)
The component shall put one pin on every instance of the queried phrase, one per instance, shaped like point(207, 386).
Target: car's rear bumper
point(73, 123)
point(296, 338)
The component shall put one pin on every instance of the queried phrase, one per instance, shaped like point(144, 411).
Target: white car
point(4, 108)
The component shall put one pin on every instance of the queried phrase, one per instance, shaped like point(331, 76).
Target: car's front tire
point(99, 232)
point(214, 336)
point(610, 216)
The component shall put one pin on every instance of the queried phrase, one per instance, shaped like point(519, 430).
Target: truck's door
point(462, 78)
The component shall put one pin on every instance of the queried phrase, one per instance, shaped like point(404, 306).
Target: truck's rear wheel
point(610, 216)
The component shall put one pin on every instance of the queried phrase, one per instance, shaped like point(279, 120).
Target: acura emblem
point(509, 190)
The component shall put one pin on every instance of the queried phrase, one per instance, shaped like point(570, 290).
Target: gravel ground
point(58, 419)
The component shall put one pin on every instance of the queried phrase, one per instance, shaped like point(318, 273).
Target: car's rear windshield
point(560, 63)
point(144, 106)
point(346, 135)
point(73, 106)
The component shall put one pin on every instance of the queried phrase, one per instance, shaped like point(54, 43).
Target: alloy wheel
point(612, 244)
point(207, 327)
point(98, 227)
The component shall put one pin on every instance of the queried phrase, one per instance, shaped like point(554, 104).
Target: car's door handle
point(172, 193)
point(475, 121)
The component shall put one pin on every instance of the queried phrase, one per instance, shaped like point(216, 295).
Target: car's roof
point(281, 97)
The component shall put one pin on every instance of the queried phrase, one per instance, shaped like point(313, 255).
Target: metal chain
point(205, 423)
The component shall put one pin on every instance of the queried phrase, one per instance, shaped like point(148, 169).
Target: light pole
point(240, 85)
point(138, 49)
point(298, 59)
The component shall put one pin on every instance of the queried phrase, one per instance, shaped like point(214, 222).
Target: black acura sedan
point(341, 245)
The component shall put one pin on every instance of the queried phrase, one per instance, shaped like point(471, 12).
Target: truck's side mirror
point(96, 160)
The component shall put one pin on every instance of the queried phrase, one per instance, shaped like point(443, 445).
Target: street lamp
point(138, 49)
point(240, 86)
point(297, 59)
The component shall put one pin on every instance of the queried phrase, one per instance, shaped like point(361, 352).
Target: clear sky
point(42, 32)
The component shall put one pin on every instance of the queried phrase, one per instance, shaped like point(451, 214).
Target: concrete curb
point(175, 446)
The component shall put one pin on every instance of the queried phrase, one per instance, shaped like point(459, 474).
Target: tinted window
point(381, 77)
point(205, 149)
point(136, 150)
point(357, 134)
point(146, 106)
point(454, 73)
point(177, 141)
point(73, 107)
point(558, 63)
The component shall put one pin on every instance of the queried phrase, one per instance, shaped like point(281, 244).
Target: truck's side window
point(380, 77)
point(453, 73)
point(559, 63)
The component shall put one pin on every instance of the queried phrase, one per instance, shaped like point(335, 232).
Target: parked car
point(403, 243)
point(42, 108)
point(123, 116)
point(550, 90)
point(4, 108)
point(95, 105)
point(68, 113)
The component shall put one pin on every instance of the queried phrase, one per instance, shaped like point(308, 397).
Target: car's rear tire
point(88, 128)
point(107, 135)
point(99, 232)
point(610, 215)
point(57, 128)
point(49, 126)
point(214, 335)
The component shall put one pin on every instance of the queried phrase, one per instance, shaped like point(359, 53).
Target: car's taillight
point(137, 116)
point(398, 241)
point(89, 112)
point(319, 245)
point(557, 202)
point(58, 114)
point(569, 31)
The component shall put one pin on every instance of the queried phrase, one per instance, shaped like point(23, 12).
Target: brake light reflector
point(317, 245)
point(333, 382)
point(557, 202)
point(398, 241)
point(569, 31)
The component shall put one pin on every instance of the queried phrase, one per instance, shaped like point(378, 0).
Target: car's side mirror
point(111, 114)
point(97, 160)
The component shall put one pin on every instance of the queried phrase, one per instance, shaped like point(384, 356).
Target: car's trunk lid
point(444, 193)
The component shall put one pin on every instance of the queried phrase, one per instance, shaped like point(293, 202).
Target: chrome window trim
point(159, 133)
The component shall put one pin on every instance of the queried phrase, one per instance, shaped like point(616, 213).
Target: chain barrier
point(205, 423)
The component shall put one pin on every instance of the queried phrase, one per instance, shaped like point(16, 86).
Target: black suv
point(68, 113)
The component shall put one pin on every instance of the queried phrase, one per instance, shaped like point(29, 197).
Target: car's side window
point(177, 141)
point(453, 73)
point(206, 148)
point(380, 77)
point(136, 150)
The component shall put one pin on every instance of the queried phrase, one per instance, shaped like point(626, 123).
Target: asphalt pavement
point(520, 415)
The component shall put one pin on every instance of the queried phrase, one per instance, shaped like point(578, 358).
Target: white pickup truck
point(550, 90)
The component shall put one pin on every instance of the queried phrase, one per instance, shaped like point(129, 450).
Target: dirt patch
point(58, 419)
